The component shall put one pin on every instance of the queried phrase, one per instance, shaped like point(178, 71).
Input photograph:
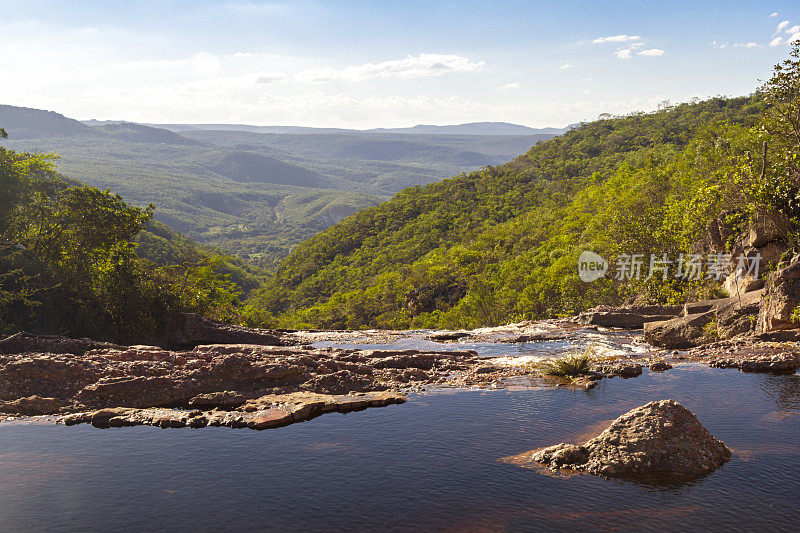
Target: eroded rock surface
point(660, 441)
point(265, 412)
point(217, 376)
point(749, 355)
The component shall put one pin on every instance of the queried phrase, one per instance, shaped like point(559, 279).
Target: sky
point(364, 64)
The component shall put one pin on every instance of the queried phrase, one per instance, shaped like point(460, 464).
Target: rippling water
point(431, 465)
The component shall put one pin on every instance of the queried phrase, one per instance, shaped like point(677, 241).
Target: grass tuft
point(570, 365)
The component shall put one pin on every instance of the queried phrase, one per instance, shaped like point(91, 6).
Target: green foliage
point(69, 261)
point(252, 195)
point(710, 331)
point(570, 365)
point(779, 182)
point(501, 244)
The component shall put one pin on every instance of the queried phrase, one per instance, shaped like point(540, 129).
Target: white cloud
point(782, 26)
point(510, 86)
point(776, 41)
point(272, 77)
point(421, 66)
point(775, 14)
point(750, 44)
point(623, 54)
point(793, 39)
point(617, 39)
point(793, 30)
point(565, 66)
point(651, 52)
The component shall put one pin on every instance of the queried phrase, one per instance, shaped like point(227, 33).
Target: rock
point(628, 317)
point(46, 375)
point(584, 382)
point(780, 335)
point(738, 314)
point(658, 442)
point(269, 418)
point(765, 228)
point(777, 363)
point(219, 400)
point(266, 412)
point(188, 330)
point(141, 391)
point(31, 405)
point(448, 336)
point(736, 284)
point(534, 337)
point(24, 342)
point(782, 297)
point(660, 366)
point(623, 369)
point(682, 332)
point(735, 316)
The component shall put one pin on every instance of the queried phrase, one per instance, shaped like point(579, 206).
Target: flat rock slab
point(657, 442)
point(270, 411)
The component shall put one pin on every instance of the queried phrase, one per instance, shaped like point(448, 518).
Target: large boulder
point(660, 442)
point(627, 317)
point(734, 316)
point(682, 332)
point(783, 296)
point(738, 315)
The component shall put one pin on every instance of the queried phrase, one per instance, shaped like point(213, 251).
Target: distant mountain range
point(256, 191)
point(470, 128)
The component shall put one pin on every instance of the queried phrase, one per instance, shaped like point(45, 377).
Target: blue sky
point(383, 64)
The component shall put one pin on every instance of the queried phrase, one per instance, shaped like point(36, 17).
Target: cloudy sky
point(383, 64)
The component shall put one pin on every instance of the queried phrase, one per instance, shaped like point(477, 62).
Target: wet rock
point(584, 382)
point(659, 442)
point(625, 369)
point(681, 332)
point(31, 405)
point(659, 366)
point(777, 363)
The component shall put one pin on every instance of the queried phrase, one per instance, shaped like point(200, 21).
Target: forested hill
point(501, 244)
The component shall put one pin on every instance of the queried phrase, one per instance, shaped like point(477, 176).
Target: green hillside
point(251, 194)
point(80, 261)
point(501, 244)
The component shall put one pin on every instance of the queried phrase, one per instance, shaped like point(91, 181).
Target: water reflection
point(431, 464)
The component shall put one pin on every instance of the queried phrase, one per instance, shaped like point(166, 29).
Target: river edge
point(315, 372)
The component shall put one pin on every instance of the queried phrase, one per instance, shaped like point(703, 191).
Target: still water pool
point(431, 464)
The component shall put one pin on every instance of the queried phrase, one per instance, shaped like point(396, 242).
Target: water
point(431, 464)
point(607, 343)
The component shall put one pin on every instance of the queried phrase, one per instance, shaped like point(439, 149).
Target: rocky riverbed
point(290, 379)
